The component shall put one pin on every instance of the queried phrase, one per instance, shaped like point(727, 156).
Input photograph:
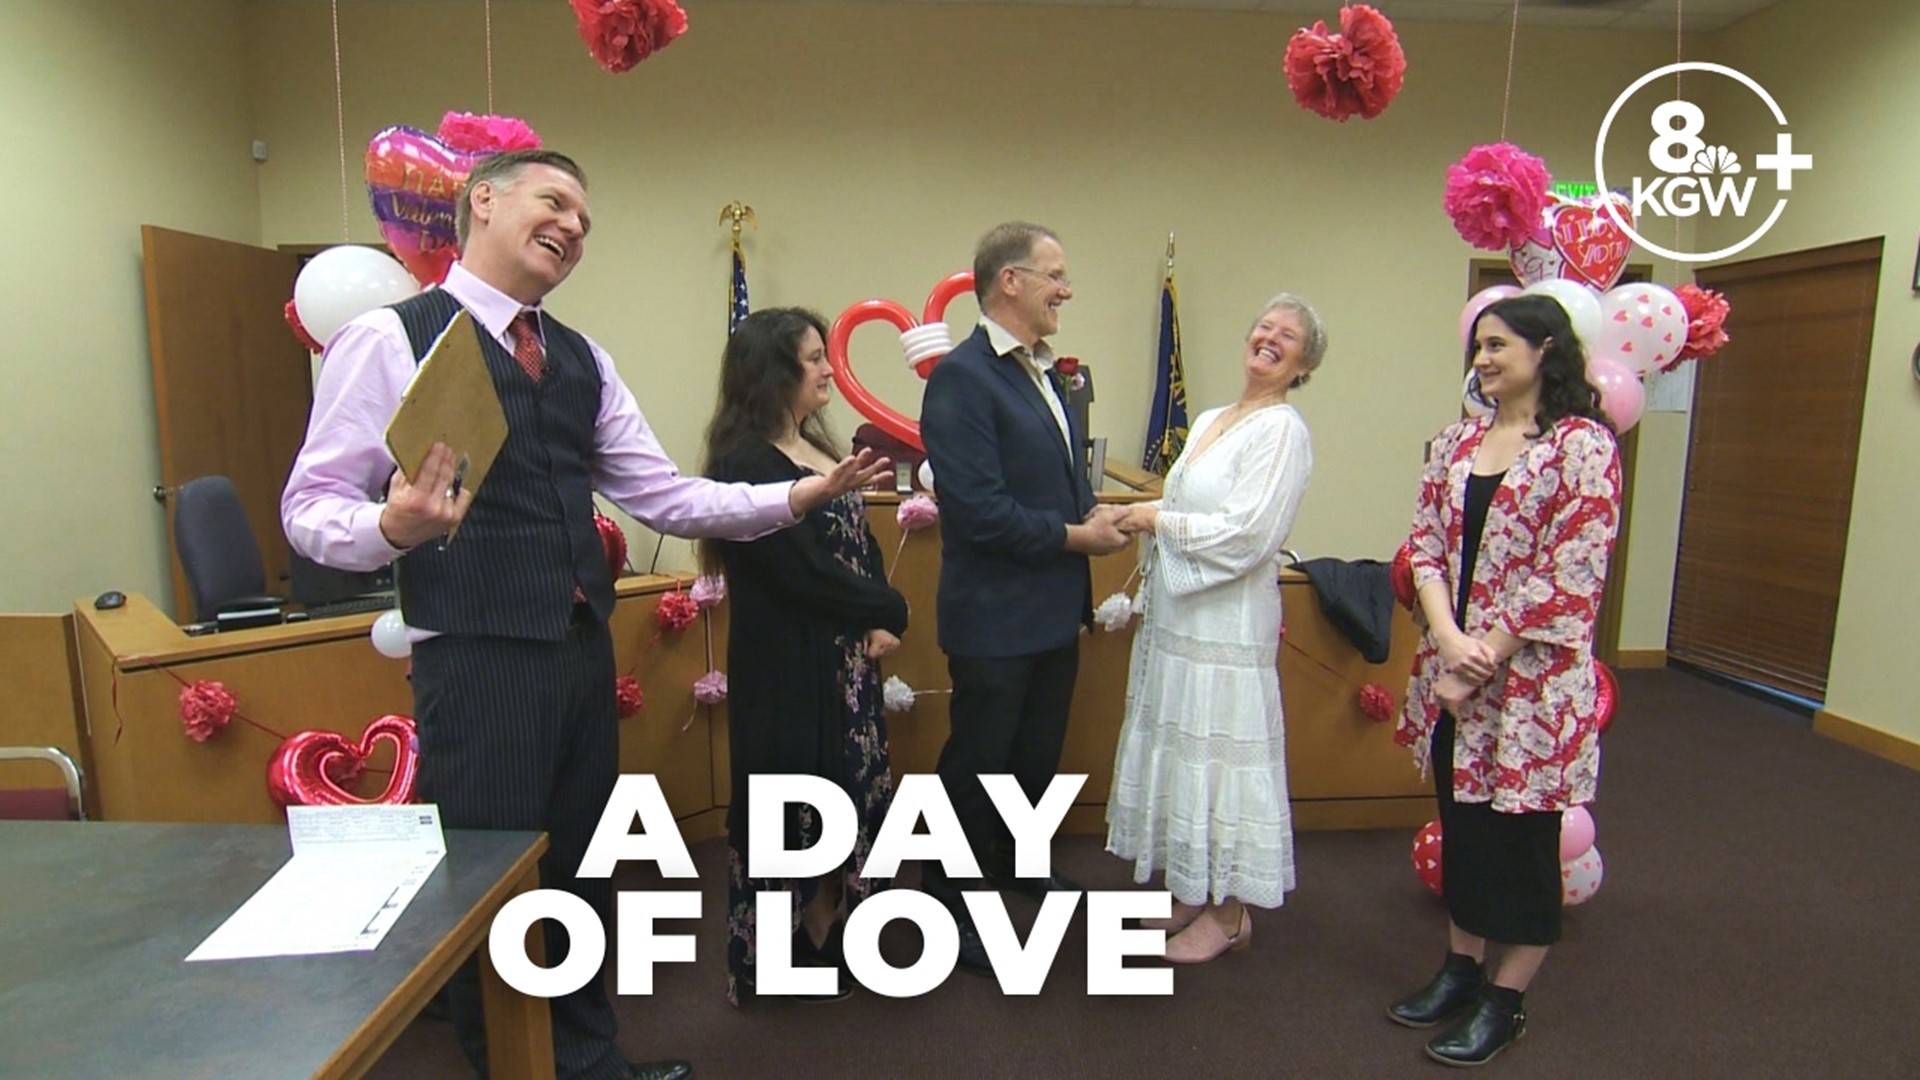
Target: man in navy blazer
point(1017, 523)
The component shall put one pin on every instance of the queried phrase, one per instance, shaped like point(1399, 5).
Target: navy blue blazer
point(1007, 487)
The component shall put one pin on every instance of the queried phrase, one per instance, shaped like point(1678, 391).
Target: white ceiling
point(1647, 16)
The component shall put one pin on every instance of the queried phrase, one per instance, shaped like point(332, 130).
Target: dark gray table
point(96, 920)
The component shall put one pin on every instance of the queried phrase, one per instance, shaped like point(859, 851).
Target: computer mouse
point(109, 600)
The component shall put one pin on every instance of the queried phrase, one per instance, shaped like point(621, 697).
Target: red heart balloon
point(415, 182)
point(304, 769)
point(884, 416)
point(1594, 247)
point(1606, 695)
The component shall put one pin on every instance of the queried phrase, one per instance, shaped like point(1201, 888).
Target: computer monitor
point(314, 585)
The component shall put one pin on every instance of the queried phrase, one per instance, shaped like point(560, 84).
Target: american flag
point(737, 293)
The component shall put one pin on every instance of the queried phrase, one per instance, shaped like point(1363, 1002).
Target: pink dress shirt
point(328, 507)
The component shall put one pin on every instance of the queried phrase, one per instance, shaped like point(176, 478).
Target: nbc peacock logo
point(1693, 175)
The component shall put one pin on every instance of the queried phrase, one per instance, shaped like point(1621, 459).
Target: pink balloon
point(1480, 302)
point(1622, 397)
point(1580, 878)
point(1643, 325)
point(1576, 833)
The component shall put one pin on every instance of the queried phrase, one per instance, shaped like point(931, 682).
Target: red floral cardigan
point(1529, 738)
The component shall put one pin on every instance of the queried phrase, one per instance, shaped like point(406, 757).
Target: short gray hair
point(1006, 244)
point(502, 170)
point(1316, 328)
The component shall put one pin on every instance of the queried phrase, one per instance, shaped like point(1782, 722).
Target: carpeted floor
point(1758, 919)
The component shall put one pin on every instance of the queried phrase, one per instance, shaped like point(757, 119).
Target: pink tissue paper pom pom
point(470, 132)
point(1496, 195)
point(917, 512)
point(709, 589)
point(711, 688)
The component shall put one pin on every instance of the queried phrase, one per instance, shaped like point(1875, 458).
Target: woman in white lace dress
point(1200, 778)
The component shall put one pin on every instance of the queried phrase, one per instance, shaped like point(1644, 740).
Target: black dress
point(802, 697)
point(1500, 872)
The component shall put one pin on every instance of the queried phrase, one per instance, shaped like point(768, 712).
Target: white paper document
point(354, 870)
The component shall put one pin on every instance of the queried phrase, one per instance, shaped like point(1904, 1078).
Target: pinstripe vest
point(528, 537)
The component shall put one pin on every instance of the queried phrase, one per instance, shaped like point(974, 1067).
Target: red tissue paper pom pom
point(1377, 702)
point(627, 696)
point(1496, 195)
point(299, 330)
point(621, 33)
point(676, 611)
point(1401, 575)
point(1706, 313)
point(206, 708)
point(468, 132)
point(1358, 70)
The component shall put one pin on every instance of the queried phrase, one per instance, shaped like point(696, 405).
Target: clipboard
point(451, 400)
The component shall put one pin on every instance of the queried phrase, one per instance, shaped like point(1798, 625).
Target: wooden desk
point(100, 916)
point(325, 674)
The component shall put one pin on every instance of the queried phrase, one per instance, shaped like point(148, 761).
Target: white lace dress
point(1200, 777)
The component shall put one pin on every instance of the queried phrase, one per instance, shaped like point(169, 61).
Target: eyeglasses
point(1057, 277)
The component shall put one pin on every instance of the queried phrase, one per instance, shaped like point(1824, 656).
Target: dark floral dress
point(803, 697)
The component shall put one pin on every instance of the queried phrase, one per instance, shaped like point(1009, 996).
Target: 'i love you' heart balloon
point(923, 342)
point(415, 181)
point(1576, 241)
point(311, 766)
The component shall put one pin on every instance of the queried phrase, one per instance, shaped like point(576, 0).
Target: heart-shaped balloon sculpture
point(415, 181)
point(1576, 241)
point(923, 342)
point(305, 771)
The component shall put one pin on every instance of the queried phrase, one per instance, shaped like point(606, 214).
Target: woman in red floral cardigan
point(1510, 544)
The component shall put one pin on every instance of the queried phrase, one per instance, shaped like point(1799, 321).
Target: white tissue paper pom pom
point(896, 694)
point(1115, 612)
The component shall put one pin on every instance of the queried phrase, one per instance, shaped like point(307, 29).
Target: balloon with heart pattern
point(1576, 241)
point(308, 767)
point(923, 342)
point(1642, 325)
point(415, 181)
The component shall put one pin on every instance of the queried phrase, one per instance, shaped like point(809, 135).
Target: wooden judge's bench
point(125, 669)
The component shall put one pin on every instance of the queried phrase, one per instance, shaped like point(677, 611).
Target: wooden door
point(1770, 463)
point(1486, 273)
point(231, 386)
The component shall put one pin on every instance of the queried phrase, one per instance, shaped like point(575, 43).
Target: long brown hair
point(759, 378)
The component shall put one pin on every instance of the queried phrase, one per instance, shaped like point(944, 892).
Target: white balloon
point(926, 475)
point(1474, 406)
point(390, 635)
point(1644, 325)
point(1580, 303)
point(343, 282)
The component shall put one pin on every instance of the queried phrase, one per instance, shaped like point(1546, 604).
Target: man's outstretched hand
point(854, 471)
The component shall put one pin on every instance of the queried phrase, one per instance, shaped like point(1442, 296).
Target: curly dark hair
point(759, 374)
point(1564, 389)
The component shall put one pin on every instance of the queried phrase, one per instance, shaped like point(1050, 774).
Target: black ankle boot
point(1498, 1018)
point(1460, 978)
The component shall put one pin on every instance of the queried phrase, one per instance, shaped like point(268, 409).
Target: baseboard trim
point(1626, 659)
point(1884, 744)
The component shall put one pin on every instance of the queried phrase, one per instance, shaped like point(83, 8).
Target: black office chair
point(66, 803)
point(217, 549)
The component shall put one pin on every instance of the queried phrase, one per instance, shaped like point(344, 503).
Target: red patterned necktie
point(526, 345)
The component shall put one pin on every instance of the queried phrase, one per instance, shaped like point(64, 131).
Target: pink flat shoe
point(1203, 940)
point(1182, 915)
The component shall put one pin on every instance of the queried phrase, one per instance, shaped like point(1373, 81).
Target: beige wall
point(115, 116)
point(877, 142)
point(1856, 116)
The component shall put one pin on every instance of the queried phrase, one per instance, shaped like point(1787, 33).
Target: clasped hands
point(1110, 527)
point(1469, 663)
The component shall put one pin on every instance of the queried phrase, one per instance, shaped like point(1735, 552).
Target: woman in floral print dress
point(1510, 544)
point(811, 615)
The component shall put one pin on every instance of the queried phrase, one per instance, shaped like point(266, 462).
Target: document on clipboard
point(451, 400)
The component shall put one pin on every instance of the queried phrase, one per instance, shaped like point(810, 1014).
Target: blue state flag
point(1167, 424)
point(737, 292)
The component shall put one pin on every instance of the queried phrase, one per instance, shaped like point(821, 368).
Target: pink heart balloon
point(415, 182)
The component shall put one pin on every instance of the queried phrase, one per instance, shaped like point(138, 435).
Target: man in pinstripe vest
point(513, 671)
